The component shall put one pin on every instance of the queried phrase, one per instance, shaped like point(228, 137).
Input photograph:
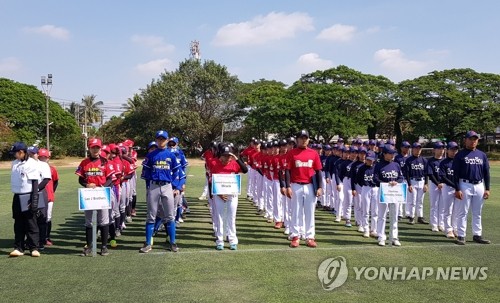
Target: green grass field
point(264, 269)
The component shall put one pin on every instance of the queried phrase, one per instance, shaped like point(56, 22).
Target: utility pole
point(47, 87)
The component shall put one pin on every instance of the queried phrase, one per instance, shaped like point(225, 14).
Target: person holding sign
point(388, 171)
point(225, 204)
point(95, 171)
point(24, 186)
point(303, 170)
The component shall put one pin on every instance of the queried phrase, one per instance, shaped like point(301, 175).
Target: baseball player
point(24, 185)
point(93, 172)
point(337, 167)
point(51, 187)
point(416, 177)
point(245, 156)
point(471, 175)
point(448, 191)
point(303, 165)
point(436, 217)
point(356, 187)
point(368, 195)
point(160, 171)
point(345, 175)
point(390, 172)
point(401, 158)
point(226, 205)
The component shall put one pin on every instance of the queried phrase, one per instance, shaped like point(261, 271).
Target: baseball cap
point(438, 145)
point(353, 149)
point(282, 142)
point(340, 140)
point(105, 148)
point(151, 144)
point(303, 133)
point(95, 142)
point(388, 149)
point(291, 140)
point(225, 150)
point(162, 134)
point(362, 149)
point(372, 142)
point(416, 145)
point(327, 147)
point(42, 152)
point(471, 134)
point(452, 145)
point(365, 143)
point(128, 142)
point(175, 139)
point(33, 150)
point(370, 155)
point(391, 142)
point(380, 144)
point(405, 144)
point(18, 146)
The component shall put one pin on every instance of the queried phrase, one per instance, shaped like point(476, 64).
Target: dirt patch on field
point(73, 162)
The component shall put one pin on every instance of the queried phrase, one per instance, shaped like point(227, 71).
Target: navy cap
point(359, 141)
point(225, 150)
point(372, 142)
point(380, 144)
point(162, 134)
point(452, 145)
point(319, 146)
point(18, 146)
point(303, 133)
point(416, 145)
point(438, 145)
point(353, 149)
point(33, 149)
point(365, 143)
point(291, 140)
point(361, 149)
point(282, 142)
point(388, 149)
point(335, 146)
point(343, 148)
point(327, 147)
point(340, 140)
point(370, 155)
point(471, 134)
point(405, 144)
point(151, 144)
point(391, 142)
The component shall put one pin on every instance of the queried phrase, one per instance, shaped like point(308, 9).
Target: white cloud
point(262, 29)
point(156, 43)
point(373, 30)
point(394, 60)
point(154, 67)
point(9, 65)
point(338, 32)
point(311, 62)
point(52, 31)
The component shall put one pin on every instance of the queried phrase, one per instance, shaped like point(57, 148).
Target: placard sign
point(226, 184)
point(393, 193)
point(94, 198)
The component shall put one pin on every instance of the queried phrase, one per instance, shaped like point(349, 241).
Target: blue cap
point(327, 147)
point(416, 144)
point(18, 146)
point(388, 149)
point(175, 139)
point(340, 140)
point(370, 155)
point(438, 145)
point(372, 142)
point(343, 148)
point(151, 144)
point(33, 149)
point(380, 144)
point(391, 142)
point(353, 149)
point(471, 134)
point(365, 143)
point(405, 144)
point(335, 146)
point(452, 145)
point(162, 133)
point(361, 149)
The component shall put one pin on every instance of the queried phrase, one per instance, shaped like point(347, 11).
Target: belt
point(417, 179)
point(471, 182)
point(302, 183)
point(161, 183)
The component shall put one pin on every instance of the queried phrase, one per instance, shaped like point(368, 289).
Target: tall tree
point(91, 109)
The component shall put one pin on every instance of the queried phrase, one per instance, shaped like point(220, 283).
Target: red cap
point(43, 153)
point(128, 143)
point(103, 154)
point(105, 148)
point(95, 142)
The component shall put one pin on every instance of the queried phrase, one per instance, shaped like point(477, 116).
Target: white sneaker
point(374, 234)
point(302, 237)
point(366, 234)
point(361, 229)
point(181, 220)
point(435, 229)
point(124, 226)
point(441, 228)
point(202, 197)
point(396, 242)
point(381, 243)
point(287, 231)
point(128, 219)
point(337, 220)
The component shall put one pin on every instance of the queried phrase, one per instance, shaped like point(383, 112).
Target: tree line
point(201, 101)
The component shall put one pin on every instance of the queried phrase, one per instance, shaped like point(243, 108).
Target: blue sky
point(114, 48)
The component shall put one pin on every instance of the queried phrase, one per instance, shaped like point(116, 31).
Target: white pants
point(250, 173)
point(287, 210)
point(393, 209)
point(226, 219)
point(50, 206)
point(277, 202)
point(415, 202)
point(268, 197)
point(329, 193)
point(356, 202)
point(339, 202)
point(205, 188)
point(322, 198)
point(347, 202)
point(472, 198)
point(255, 186)
point(435, 205)
point(369, 204)
point(303, 205)
point(449, 212)
point(259, 191)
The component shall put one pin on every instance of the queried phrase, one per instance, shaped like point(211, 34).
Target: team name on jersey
point(449, 171)
point(299, 163)
point(475, 160)
point(162, 164)
point(94, 171)
point(390, 174)
point(418, 166)
point(368, 178)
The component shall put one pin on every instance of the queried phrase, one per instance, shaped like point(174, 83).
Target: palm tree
point(132, 104)
point(75, 110)
point(91, 111)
